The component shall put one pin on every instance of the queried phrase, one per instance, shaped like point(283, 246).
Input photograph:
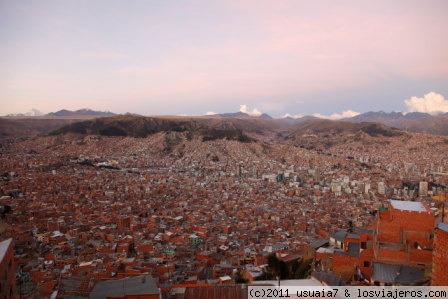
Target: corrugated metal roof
point(410, 275)
point(318, 243)
point(353, 236)
point(339, 235)
point(385, 272)
point(443, 226)
point(138, 285)
point(413, 206)
point(329, 278)
point(397, 274)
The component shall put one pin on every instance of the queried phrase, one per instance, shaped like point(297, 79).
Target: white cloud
point(254, 112)
point(293, 115)
point(344, 114)
point(432, 103)
point(34, 112)
point(210, 113)
point(334, 116)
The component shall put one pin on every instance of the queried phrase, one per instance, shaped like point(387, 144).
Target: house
point(310, 249)
point(404, 234)
point(193, 240)
point(337, 238)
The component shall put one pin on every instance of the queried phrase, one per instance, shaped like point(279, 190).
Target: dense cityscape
point(223, 149)
point(186, 214)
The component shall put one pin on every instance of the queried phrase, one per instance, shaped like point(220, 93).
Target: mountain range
point(413, 122)
point(86, 121)
point(64, 112)
point(81, 112)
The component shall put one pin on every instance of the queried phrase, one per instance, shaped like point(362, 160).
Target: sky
point(286, 57)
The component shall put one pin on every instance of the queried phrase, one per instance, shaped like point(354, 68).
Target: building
point(222, 270)
point(398, 238)
point(381, 188)
point(142, 287)
point(7, 273)
point(193, 240)
point(423, 189)
point(396, 251)
point(310, 249)
point(403, 237)
point(439, 260)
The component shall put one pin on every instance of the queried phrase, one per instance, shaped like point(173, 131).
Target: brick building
point(7, 273)
point(401, 241)
point(440, 260)
point(404, 234)
point(403, 238)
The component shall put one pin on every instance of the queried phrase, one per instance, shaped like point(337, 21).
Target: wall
point(440, 259)
point(7, 271)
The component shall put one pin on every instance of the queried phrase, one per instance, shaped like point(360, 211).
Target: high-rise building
point(381, 188)
point(423, 189)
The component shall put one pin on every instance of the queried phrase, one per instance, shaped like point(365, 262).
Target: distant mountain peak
point(265, 116)
point(412, 121)
point(238, 114)
point(382, 116)
point(81, 112)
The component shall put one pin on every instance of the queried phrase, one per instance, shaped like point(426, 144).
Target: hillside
point(321, 134)
point(247, 128)
point(414, 122)
point(139, 126)
point(29, 127)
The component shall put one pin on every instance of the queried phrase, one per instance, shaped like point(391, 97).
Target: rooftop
point(443, 226)
point(140, 285)
point(399, 274)
point(4, 247)
point(318, 243)
point(412, 206)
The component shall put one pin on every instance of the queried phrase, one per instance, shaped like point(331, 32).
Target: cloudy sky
point(200, 56)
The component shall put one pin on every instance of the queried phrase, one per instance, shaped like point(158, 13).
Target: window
point(364, 245)
point(366, 264)
point(421, 265)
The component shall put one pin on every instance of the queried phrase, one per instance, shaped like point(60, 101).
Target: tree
point(278, 267)
point(239, 278)
point(303, 270)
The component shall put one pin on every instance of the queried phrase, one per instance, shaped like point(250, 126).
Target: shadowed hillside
point(413, 122)
point(321, 134)
point(139, 126)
